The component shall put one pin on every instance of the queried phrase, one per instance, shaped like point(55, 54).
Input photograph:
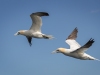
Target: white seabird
point(35, 29)
point(76, 50)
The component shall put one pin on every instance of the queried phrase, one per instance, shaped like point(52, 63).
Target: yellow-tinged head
point(60, 50)
point(21, 32)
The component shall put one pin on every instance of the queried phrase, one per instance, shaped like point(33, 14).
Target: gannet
point(35, 29)
point(76, 50)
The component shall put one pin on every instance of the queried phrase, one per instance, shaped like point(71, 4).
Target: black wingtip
point(76, 28)
point(89, 43)
point(30, 44)
point(45, 13)
point(73, 34)
point(92, 40)
point(29, 40)
point(40, 14)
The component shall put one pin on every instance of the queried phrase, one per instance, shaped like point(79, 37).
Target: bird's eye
point(18, 32)
point(57, 50)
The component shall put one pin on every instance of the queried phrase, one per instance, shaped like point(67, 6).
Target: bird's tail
point(48, 36)
point(97, 59)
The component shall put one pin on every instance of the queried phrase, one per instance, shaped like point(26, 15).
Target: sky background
point(18, 58)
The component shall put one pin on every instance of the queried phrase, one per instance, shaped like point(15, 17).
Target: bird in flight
point(35, 29)
point(76, 50)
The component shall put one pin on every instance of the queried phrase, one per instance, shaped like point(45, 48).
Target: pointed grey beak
point(53, 52)
point(16, 34)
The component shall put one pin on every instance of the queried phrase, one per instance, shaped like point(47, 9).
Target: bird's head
point(59, 50)
point(20, 32)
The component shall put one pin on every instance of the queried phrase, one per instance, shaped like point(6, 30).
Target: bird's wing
point(71, 40)
point(37, 21)
point(29, 40)
point(85, 47)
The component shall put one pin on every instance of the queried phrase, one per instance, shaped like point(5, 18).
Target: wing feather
point(71, 40)
point(85, 47)
point(37, 21)
point(73, 44)
point(29, 40)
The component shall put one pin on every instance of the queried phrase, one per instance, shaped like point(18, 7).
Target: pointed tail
point(48, 36)
point(97, 59)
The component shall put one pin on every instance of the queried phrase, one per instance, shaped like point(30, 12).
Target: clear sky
point(18, 58)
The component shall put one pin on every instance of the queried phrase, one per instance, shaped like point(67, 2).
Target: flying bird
point(76, 50)
point(35, 29)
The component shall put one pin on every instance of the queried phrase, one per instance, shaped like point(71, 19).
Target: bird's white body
point(76, 50)
point(82, 56)
point(35, 29)
point(37, 35)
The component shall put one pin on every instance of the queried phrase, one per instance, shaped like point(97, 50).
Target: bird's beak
point(16, 34)
point(53, 52)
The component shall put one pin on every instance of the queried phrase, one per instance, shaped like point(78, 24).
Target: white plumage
point(35, 29)
point(76, 50)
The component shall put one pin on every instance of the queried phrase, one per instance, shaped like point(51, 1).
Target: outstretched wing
point(85, 47)
point(37, 21)
point(29, 40)
point(71, 40)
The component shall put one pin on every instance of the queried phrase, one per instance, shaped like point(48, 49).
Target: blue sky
point(18, 58)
